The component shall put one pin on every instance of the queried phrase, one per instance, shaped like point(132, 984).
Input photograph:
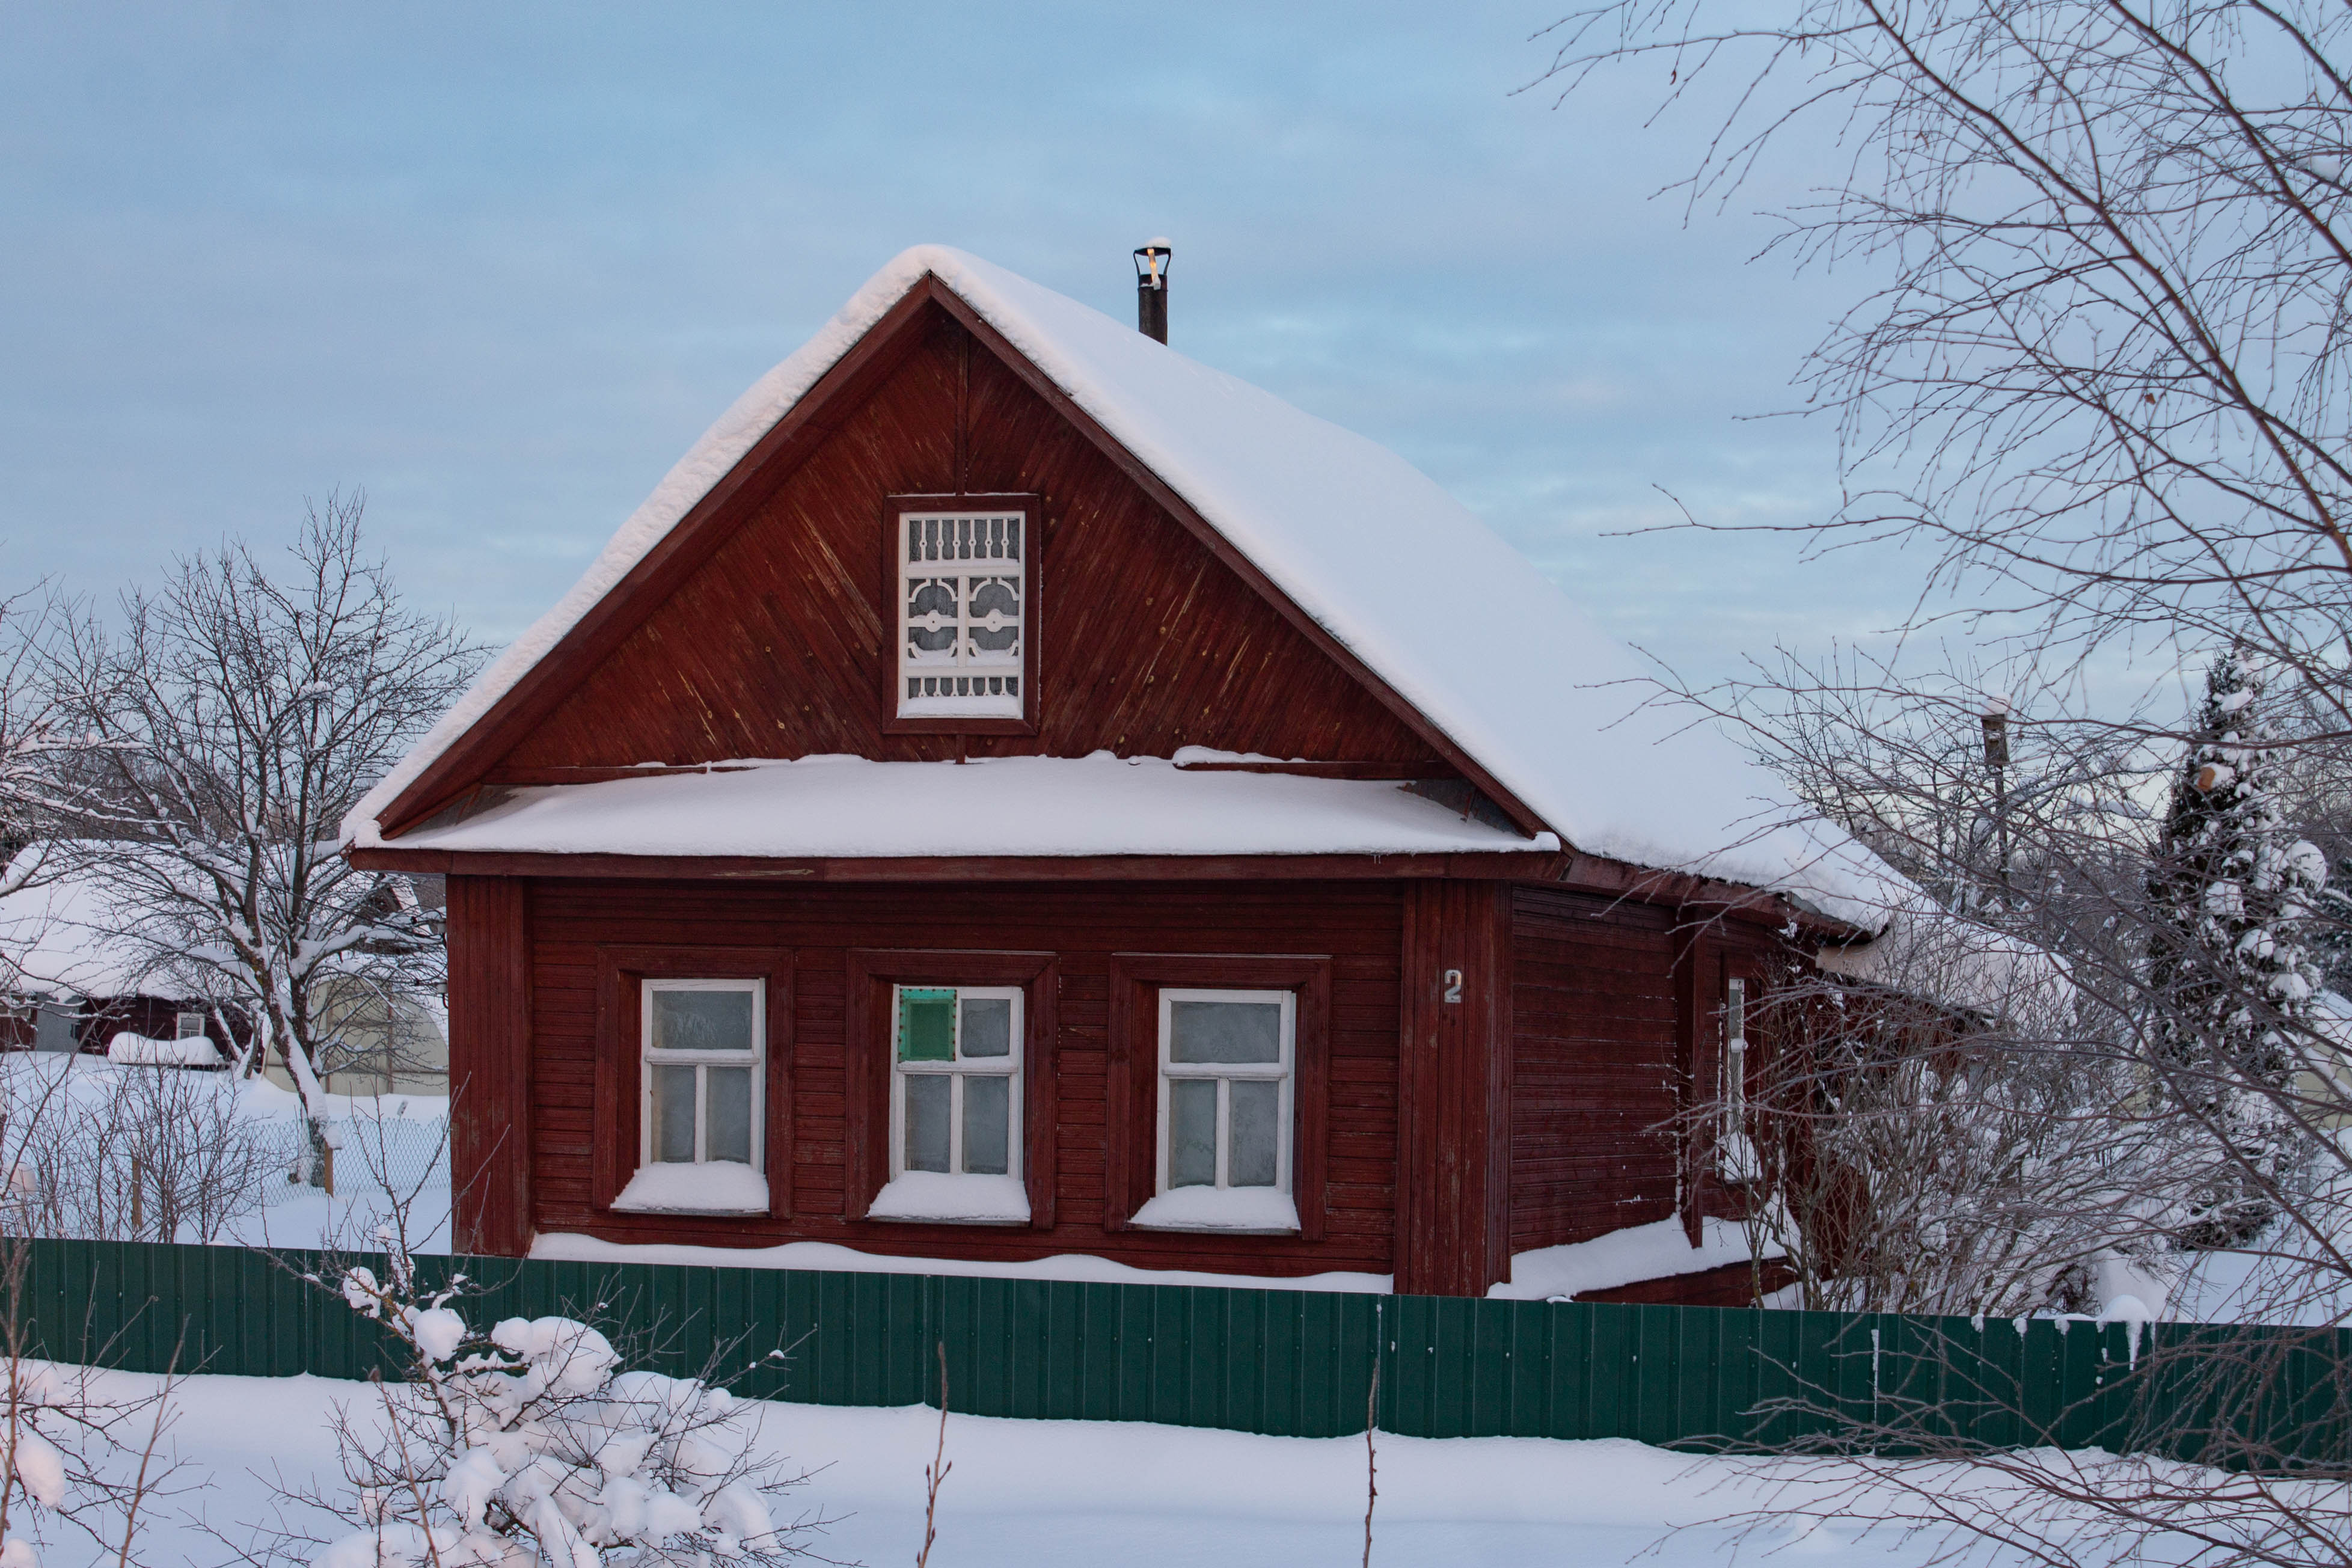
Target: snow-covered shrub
point(530, 1443)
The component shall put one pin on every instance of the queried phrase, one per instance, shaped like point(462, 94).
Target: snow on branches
point(2233, 895)
point(531, 1444)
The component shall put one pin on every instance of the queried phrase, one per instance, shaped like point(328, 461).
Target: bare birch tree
point(239, 711)
point(2094, 375)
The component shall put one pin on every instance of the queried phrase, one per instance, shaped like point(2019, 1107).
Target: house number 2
point(1454, 985)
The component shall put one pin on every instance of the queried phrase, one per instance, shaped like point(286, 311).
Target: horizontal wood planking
point(1594, 1058)
point(1147, 641)
point(1357, 924)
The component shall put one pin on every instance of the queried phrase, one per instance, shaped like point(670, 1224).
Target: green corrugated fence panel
point(1280, 1361)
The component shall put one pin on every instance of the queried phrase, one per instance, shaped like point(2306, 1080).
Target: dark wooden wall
point(1594, 1066)
point(1358, 925)
point(776, 647)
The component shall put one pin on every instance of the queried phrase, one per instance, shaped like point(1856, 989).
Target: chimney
point(1153, 258)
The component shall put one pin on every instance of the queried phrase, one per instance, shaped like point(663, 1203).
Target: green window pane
point(1224, 1031)
point(926, 1025)
point(702, 1020)
point(988, 1027)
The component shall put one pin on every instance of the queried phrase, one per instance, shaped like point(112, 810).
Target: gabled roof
point(1400, 574)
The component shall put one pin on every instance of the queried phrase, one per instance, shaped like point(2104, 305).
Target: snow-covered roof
point(56, 938)
point(1428, 598)
point(1936, 955)
point(852, 808)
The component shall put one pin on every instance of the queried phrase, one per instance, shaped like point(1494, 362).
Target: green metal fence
point(1279, 1361)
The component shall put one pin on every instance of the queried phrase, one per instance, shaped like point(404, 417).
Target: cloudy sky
point(499, 266)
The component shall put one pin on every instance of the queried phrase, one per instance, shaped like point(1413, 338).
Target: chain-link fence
point(398, 1153)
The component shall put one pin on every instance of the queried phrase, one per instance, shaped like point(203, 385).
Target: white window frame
point(1003, 676)
point(1284, 1070)
point(1013, 1066)
point(1735, 1153)
point(648, 1058)
point(182, 1017)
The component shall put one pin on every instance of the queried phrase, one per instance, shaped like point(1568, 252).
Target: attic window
point(964, 611)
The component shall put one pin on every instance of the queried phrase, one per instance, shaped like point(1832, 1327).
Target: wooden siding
point(1356, 925)
point(1148, 642)
point(1593, 1067)
point(491, 1067)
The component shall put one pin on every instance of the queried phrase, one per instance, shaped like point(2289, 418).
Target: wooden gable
point(778, 644)
point(756, 626)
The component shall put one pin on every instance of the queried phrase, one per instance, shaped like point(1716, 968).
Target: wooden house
point(1015, 791)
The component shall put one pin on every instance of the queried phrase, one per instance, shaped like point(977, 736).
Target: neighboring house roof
point(1427, 597)
point(56, 938)
point(1941, 957)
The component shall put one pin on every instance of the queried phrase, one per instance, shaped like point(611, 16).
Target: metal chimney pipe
point(1153, 259)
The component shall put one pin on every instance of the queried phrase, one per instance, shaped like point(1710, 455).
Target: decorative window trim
point(620, 1083)
point(1021, 720)
point(1134, 1157)
point(956, 1196)
point(875, 976)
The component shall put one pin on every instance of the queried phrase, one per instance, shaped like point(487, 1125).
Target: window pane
point(987, 1121)
point(188, 1026)
point(1224, 1032)
point(926, 1025)
point(727, 1114)
point(1192, 1132)
point(988, 1027)
point(674, 1114)
point(927, 1120)
point(996, 615)
point(1255, 1128)
point(702, 1020)
point(931, 618)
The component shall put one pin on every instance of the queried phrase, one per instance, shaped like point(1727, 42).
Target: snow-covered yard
point(1046, 1494)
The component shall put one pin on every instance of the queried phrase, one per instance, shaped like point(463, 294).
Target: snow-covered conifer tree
point(2233, 895)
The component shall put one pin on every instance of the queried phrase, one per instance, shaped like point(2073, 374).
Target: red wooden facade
point(1491, 1050)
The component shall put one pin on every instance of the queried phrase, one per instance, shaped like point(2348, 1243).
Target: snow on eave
point(1934, 956)
point(1469, 633)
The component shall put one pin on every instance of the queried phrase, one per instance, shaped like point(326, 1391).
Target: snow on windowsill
point(719, 1186)
point(943, 1199)
point(127, 1049)
point(1259, 1209)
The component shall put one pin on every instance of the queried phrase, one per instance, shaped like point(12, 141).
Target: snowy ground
point(1041, 1494)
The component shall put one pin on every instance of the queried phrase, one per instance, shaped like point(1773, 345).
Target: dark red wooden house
point(1015, 791)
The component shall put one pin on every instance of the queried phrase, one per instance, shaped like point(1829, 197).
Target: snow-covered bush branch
point(530, 1442)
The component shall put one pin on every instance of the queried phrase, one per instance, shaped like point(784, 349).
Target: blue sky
point(499, 265)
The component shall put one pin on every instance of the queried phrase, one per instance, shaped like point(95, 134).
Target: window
point(955, 1105)
point(701, 1096)
point(1735, 1156)
point(188, 1024)
point(1225, 1111)
point(963, 591)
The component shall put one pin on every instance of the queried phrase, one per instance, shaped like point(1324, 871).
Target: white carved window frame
point(964, 593)
point(653, 1056)
point(959, 1070)
point(1281, 1071)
